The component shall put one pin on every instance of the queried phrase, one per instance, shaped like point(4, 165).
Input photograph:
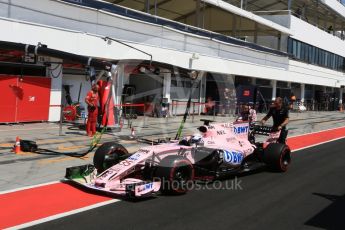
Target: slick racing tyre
point(175, 173)
point(277, 157)
point(107, 155)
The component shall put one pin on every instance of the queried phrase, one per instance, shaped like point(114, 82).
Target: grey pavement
point(18, 170)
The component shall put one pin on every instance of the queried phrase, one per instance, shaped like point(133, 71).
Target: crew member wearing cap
point(91, 100)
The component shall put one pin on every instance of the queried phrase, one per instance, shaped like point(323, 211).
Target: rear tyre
point(175, 173)
point(277, 157)
point(107, 155)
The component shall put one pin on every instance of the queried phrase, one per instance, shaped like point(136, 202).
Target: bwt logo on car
point(241, 129)
point(148, 186)
point(233, 157)
point(134, 157)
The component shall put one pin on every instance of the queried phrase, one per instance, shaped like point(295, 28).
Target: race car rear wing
point(262, 130)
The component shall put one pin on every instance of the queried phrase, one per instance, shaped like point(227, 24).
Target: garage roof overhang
point(11, 53)
point(214, 15)
point(253, 18)
point(330, 12)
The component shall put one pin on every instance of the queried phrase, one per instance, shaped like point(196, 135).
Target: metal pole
point(61, 112)
point(144, 116)
point(175, 109)
point(126, 117)
point(197, 13)
point(9, 9)
point(193, 111)
point(256, 28)
point(289, 4)
point(172, 108)
point(234, 25)
point(167, 111)
point(147, 6)
point(61, 117)
point(130, 117)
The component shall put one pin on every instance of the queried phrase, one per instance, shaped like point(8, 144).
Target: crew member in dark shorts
point(280, 115)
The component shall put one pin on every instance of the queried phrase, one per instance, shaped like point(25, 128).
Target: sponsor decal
point(233, 157)
point(146, 151)
point(221, 132)
point(227, 125)
point(145, 187)
point(126, 162)
point(211, 127)
point(134, 157)
point(241, 129)
point(211, 142)
point(107, 173)
point(241, 143)
point(230, 139)
point(246, 93)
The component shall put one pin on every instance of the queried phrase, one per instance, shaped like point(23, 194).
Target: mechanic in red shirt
point(91, 100)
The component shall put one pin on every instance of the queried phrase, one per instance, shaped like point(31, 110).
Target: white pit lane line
point(57, 216)
point(61, 215)
point(28, 129)
point(64, 214)
point(321, 143)
point(28, 187)
point(324, 130)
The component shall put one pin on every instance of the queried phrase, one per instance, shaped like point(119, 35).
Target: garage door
point(26, 98)
point(9, 88)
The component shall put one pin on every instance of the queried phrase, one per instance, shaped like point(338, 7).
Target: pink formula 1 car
point(217, 150)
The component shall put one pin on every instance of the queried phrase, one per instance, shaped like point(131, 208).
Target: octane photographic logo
point(234, 184)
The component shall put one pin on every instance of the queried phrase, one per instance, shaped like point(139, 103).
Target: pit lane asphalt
point(311, 195)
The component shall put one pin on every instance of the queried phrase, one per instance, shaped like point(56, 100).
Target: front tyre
point(107, 155)
point(277, 157)
point(175, 173)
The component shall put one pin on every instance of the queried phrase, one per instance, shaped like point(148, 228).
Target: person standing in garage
point(91, 100)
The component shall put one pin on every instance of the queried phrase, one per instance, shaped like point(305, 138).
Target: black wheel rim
point(182, 176)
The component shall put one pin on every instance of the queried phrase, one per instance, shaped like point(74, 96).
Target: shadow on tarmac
point(332, 217)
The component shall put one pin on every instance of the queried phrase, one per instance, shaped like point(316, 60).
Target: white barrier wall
point(309, 33)
point(309, 74)
point(312, 35)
